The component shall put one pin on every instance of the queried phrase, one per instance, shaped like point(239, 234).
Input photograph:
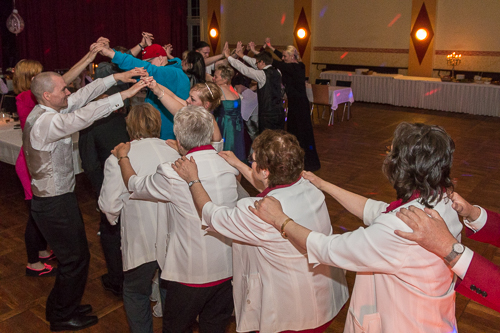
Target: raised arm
point(147, 40)
point(73, 73)
point(218, 57)
point(353, 202)
point(171, 102)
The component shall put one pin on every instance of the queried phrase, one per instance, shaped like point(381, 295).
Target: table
point(11, 142)
point(376, 88)
point(431, 93)
point(422, 92)
point(337, 95)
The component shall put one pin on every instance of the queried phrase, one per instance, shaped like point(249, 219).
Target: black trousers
point(272, 120)
point(111, 242)
point(60, 221)
point(33, 238)
point(214, 306)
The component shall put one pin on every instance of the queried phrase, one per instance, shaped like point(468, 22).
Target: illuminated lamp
point(301, 33)
point(213, 32)
point(421, 34)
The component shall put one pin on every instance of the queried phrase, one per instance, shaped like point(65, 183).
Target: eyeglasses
point(250, 159)
point(388, 149)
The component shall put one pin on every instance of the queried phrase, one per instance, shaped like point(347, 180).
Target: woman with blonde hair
point(36, 245)
point(299, 123)
point(24, 72)
point(142, 222)
point(206, 94)
point(228, 114)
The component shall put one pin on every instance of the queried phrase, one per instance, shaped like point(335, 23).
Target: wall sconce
point(421, 34)
point(301, 33)
point(213, 33)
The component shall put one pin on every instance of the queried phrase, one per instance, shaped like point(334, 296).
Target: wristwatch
point(456, 249)
point(191, 183)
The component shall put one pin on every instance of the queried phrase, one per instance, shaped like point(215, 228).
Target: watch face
point(459, 248)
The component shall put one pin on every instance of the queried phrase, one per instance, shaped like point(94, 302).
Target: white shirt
point(275, 288)
point(252, 72)
point(142, 222)
point(53, 126)
point(400, 287)
point(463, 263)
point(193, 255)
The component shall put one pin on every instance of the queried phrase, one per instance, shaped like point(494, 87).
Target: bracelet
point(191, 183)
point(120, 158)
point(283, 233)
point(142, 47)
point(162, 94)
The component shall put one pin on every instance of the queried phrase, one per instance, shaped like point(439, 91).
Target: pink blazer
point(25, 102)
point(481, 283)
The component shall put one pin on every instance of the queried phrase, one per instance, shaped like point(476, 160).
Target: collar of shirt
point(47, 108)
point(267, 67)
point(200, 148)
point(269, 189)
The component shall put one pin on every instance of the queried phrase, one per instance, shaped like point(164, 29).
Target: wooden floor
point(351, 154)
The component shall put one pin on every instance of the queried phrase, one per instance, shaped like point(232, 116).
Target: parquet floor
point(351, 153)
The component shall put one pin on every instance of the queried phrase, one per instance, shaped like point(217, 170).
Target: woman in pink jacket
point(36, 245)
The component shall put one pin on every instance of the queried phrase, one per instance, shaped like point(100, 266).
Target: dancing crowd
point(166, 174)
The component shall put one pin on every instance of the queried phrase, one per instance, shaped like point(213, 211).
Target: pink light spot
point(47, 51)
point(283, 18)
point(342, 56)
point(394, 20)
point(350, 74)
point(338, 94)
point(432, 92)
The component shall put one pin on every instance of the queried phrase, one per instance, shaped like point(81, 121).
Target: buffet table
point(367, 88)
point(11, 142)
point(422, 92)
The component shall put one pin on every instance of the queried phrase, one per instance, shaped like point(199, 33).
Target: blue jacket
point(171, 77)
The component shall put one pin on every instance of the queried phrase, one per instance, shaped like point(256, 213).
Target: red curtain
point(59, 32)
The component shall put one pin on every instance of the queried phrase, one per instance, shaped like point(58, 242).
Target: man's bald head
point(43, 82)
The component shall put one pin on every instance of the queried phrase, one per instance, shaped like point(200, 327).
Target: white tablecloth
point(375, 88)
point(422, 92)
point(337, 95)
point(11, 142)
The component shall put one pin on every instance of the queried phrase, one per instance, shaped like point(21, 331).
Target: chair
point(321, 96)
point(323, 82)
point(340, 83)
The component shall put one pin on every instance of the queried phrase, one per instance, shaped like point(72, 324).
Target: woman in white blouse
point(400, 287)
point(275, 288)
point(142, 222)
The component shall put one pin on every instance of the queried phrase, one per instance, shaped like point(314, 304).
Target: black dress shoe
point(74, 324)
point(117, 290)
point(83, 309)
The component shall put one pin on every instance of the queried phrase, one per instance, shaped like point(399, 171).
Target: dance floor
point(351, 154)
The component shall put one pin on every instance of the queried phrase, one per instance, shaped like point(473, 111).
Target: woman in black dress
point(299, 123)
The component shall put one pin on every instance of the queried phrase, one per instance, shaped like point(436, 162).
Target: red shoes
point(46, 271)
point(51, 256)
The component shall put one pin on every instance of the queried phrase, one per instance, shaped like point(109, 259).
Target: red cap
point(153, 51)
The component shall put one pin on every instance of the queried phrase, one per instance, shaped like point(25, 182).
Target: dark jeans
point(136, 291)
point(214, 306)
point(33, 238)
point(60, 221)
